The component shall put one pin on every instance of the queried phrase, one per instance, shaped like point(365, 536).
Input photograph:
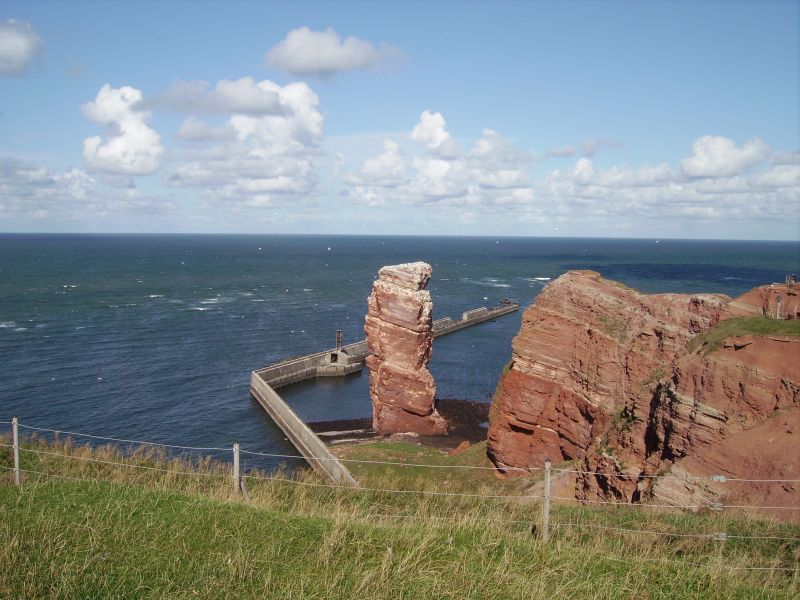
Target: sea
point(153, 337)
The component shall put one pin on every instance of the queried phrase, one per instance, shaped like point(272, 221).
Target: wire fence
point(238, 479)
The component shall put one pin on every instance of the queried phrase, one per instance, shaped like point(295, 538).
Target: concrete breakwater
point(338, 361)
point(350, 358)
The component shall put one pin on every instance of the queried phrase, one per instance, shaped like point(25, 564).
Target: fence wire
point(713, 536)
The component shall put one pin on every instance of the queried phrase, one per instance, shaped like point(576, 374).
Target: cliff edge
point(633, 385)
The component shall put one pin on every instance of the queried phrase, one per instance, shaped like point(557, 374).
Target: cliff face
point(603, 374)
point(399, 332)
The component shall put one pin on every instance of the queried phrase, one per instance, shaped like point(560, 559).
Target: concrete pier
point(350, 358)
point(336, 362)
point(313, 449)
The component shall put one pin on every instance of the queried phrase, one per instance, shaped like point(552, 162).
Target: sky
point(603, 119)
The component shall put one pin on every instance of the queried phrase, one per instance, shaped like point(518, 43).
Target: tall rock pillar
point(399, 338)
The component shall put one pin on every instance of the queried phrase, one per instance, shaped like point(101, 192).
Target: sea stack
point(399, 332)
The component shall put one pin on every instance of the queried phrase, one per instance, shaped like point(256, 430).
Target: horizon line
point(398, 235)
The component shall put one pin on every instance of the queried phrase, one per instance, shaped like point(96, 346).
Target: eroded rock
point(399, 332)
point(607, 375)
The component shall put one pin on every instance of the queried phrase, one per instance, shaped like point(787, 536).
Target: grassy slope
point(140, 533)
point(713, 338)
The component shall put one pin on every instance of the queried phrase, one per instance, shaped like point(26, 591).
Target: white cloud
point(385, 170)
point(194, 130)
point(778, 176)
point(667, 195)
point(494, 182)
point(431, 130)
point(436, 179)
point(242, 96)
point(717, 156)
point(19, 46)
point(493, 172)
point(255, 159)
point(786, 158)
point(131, 148)
point(31, 193)
point(306, 52)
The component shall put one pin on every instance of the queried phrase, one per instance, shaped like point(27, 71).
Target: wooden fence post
point(546, 505)
point(15, 433)
point(236, 477)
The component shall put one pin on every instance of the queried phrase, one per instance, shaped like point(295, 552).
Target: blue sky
point(627, 119)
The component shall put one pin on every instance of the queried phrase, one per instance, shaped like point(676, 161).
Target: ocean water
point(154, 337)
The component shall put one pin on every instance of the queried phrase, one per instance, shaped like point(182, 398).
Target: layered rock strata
point(607, 375)
point(399, 332)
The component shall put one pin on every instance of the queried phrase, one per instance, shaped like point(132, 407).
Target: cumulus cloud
point(779, 176)
point(255, 159)
point(786, 158)
point(306, 52)
point(385, 170)
point(670, 195)
point(717, 156)
point(495, 177)
point(131, 146)
point(431, 130)
point(493, 172)
point(19, 46)
point(195, 130)
point(243, 96)
point(31, 192)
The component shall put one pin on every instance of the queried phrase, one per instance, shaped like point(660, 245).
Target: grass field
point(712, 339)
point(135, 532)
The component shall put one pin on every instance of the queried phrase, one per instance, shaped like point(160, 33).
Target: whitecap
point(156, 296)
point(7, 324)
point(542, 278)
point(258, 300)
point(20, 329)
point(200, 308)
point(488, 282)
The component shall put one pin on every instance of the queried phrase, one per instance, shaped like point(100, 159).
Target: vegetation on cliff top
point(713, 339)
point(142, 532)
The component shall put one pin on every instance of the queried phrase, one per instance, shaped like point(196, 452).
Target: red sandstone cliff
point(604, 374)
point(399, 332)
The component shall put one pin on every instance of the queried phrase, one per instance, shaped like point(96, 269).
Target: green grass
point(126, 532)
point(713, 339)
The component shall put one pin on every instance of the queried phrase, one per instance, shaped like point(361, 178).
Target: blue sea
point(153, 337)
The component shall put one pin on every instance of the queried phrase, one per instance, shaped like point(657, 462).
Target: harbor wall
point(313, 450)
